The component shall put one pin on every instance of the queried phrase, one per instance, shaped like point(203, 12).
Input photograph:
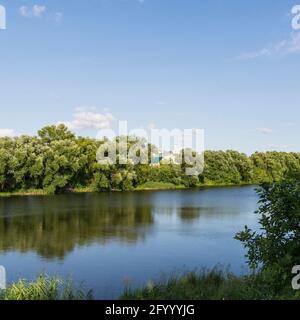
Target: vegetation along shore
point(56, 161)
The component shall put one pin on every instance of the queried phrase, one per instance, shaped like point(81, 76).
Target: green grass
point(147, 186)
point(44, 288)
point(151, 185)
point(30, 192)
point(83, 190)
point(199, 285)
point(211, 285)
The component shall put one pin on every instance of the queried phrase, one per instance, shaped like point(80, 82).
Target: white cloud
point(7, 133)
point(87, 118)
point(36, 11)
point(24, 11)
point(285, 47)
point(265, 130)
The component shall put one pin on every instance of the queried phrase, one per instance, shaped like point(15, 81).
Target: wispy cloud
point(35, 11)
point(285, 47)
point(7, 133)
point(254, 54)
point(39, 11)
point(280, 147)
point(265, 130)
point(288, 124)
point(88, 118)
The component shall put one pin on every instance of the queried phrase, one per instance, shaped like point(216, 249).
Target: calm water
point(108, 240)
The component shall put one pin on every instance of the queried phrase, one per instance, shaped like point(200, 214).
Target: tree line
point(57, 161)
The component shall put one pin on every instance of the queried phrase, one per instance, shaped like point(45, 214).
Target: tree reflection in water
point(54, 226)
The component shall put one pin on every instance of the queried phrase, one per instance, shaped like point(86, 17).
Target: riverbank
point(149, 186)
point(212, 285)
point(24, 193)
point(40, 192)
point(44, 288)
point(205, 285)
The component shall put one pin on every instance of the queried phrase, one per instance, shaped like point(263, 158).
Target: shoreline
point(30, 193)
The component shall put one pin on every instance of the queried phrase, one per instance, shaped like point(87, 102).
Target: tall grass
point(210, 285)
point(44, 288)
point(199, 285)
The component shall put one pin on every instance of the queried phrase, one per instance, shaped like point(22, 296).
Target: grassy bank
point(44, 288)
point(148, 186)
point(201, 285)
point(35, 192)
point(212, 285)
point(151, 185)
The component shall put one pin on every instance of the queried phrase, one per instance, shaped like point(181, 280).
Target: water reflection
point(189, 214)
point(101, 239)
point(54, 226)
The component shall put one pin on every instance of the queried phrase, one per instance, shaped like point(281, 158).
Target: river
point(110, 240)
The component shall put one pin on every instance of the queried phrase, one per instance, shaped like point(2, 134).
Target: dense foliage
point(57, 161)
point(275, 250)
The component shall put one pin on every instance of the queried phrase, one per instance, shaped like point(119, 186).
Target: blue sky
point(230, 67)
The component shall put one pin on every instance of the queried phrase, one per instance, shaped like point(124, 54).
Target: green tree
point(54, 133)
point(57, 161)
point(276, 249)
point(101, 182)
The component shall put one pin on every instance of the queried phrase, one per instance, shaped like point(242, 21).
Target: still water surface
point(109, 240)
